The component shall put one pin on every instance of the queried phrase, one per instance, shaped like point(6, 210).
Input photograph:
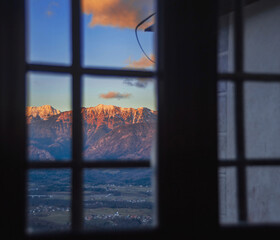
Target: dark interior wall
point(187, 117)
point(226, 6)
point(12, 127)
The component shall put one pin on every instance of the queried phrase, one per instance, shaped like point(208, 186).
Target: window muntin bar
point(239, 119)
point(249, 77)
point(77, 135)
point(92, 71)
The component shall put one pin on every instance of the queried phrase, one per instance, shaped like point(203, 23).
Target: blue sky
point(49, 89)
point(48, 41)
point(94, 87)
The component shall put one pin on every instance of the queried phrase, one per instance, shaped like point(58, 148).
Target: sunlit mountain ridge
point(109, 132)
point(42, 112)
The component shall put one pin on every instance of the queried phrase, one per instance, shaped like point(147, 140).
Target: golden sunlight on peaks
point(41, 112)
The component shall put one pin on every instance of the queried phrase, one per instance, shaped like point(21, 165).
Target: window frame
point(77, 165)
point(177, 215)
point(239, 77)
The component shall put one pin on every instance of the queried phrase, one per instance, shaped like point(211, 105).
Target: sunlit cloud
point(117, 13)
point(143, 62)
point(116, 95)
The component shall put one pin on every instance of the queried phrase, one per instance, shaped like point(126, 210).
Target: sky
point(108, 40)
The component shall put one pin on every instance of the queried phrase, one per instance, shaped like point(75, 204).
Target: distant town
point(105, 205)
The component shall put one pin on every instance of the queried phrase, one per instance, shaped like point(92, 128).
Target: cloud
point(143, 62)
point(116, 95)
point(139, 82)
point(117, 13)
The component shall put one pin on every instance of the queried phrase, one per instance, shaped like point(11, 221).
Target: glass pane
point(119, 117)
point(109, 37)
point(48, 32)
point(48, 199)
point(262, 37)
point(227, 195)
point(263, 194)
point(225, 40)
point(262, 114)
point(49, 116)
point(226, 120)
point(118, 199)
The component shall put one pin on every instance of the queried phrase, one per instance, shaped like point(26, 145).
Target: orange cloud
point(143, 62)
point(116, 95)
point(117, 13)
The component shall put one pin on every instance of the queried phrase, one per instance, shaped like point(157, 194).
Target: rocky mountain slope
point(109, 132)
point(43, 112)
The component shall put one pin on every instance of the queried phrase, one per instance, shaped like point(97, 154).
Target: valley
point(112, 198)
point(120, 198)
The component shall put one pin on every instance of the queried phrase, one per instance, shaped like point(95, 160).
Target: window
point(187, 147)
point(89, 165)
point(248, 92)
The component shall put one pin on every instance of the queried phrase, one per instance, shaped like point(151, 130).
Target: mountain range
point(109, 132)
